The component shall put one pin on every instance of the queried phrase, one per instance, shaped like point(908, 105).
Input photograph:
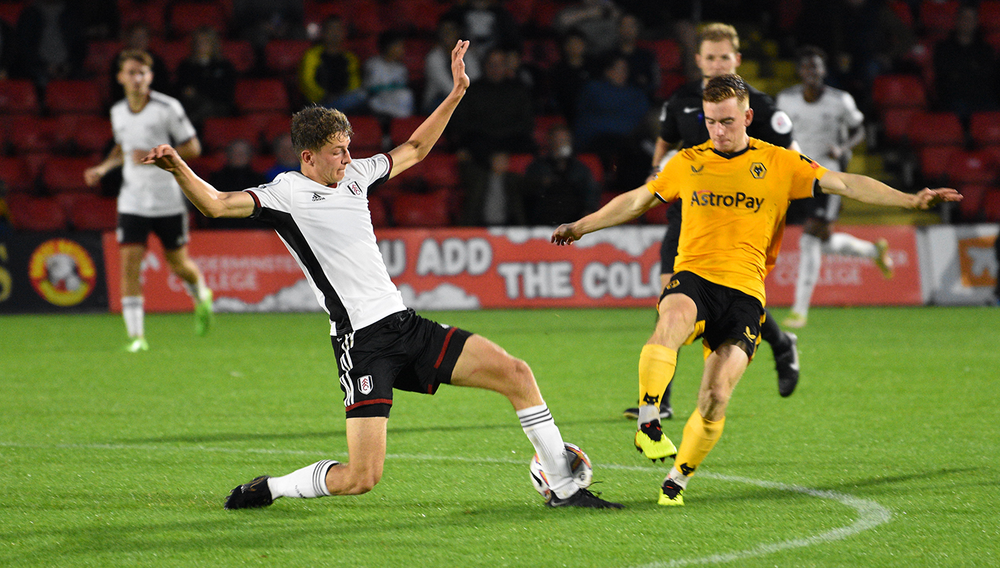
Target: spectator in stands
point(597, 20)
point(137, 38)
point(236, 175)
point(487, 25)
point(644, 69)
point(494, 195)
point(286, 159)
point(437, 66)
point(965, 68)
point(330, 74)
point(386, 79)
point(206, 80)
point(496, 114)
point(559, 186)
point(610, 116)
point(51, 41)
point(568, 76)
point(9, 54)
point(260, 21)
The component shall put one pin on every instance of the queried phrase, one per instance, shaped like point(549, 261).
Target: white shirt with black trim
point(148, 190)
point(822, 123)
point(328, 229)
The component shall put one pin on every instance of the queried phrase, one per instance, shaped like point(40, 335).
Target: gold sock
point(656, 367)
point(700, 436)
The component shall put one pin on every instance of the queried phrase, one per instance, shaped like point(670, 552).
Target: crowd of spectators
point(599, 70)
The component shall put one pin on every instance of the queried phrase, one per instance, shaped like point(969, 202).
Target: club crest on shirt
point(354, 187)
point(365, 384)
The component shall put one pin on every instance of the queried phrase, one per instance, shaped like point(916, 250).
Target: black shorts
point(724, 313)
point(171, 230)
point(402, 351)
point(668, 248)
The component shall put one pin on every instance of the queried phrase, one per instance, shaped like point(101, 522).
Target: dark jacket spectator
point(560, 188)
point(206, 80)
point(51, 40)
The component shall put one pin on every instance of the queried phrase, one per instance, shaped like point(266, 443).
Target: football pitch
point(886, 455)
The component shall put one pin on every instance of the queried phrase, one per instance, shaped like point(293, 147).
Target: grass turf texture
point(116, 459)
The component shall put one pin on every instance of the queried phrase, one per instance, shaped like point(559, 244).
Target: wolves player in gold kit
point(735, 191)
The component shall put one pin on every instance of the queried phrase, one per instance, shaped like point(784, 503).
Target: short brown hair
point(135, 55)
point(717, 31)
point(725, 87)
point(314, 126)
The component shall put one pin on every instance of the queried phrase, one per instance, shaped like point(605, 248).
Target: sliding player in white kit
point(322, 216)
point(150, 201)
point(827, 125)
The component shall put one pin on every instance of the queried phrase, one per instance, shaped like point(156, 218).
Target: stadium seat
point(668, 54)
point(18, 96)
point(74, 96)
point(91, 134)
point(36, 213)
point(984, 127)
point(972, 199)
point(414, 15)
point(218, 132)
point(151, 13)
point(421, 209)
point(29, 133)
point(367, 139)
point(898, 91)
point(521, 10)
point(240, 54)
point(414, 55)
point(991, 205)
point(937, 17)
point(895, 123)
point(259, 95)
point(989, 16)
point(282, 56)
point(102, 56)
point(380, 216)
point(275, 125)
point(401, 128)
point(935, 129)
point(208, 163)
point(65, 174)
point(171, 52)
point(933, 162)
point(363, 17)
point(669, 82)
point(93, 213)
point(971, 168)
point(518, 163)
point(543, 123)
point(185, 17)
point(440, 170)
point(11, 11)
point(902, 11)
point(593, 162)
point(15, 174)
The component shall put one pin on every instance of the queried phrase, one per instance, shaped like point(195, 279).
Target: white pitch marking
point(870, 513)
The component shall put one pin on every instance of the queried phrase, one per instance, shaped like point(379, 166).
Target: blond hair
point(717, 31)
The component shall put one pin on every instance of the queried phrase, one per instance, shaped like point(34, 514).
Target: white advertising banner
point(959, 264)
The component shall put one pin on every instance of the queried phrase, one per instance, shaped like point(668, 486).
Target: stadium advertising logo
point(62, 272)
point(705, 198)
point(977, 262)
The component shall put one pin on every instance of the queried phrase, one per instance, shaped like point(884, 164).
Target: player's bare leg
point(185, 268)
point(130, 261)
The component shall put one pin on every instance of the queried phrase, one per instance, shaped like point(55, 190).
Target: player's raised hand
point(566, 234)
point(164, 157)
point(458, 65)
point(927, 198)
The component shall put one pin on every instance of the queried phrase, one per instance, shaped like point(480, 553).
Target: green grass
point(887, 455)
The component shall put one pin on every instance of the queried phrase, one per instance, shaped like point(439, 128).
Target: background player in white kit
point(322, 216)
point(827, 125)
point(150, 200)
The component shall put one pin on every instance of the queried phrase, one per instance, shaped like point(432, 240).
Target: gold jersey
point(733, 209)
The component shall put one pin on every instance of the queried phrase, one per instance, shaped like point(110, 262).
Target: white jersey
point(148, 190)
point(328, 229)
point(822, 123)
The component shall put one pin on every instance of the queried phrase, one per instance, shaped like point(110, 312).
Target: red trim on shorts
point(444, 348)
point(368, 402)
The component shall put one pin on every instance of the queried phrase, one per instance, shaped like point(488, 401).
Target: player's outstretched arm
point(210, 201)
point(869, 190)
point(622, 209)
point(92, 176)
point(426, 135)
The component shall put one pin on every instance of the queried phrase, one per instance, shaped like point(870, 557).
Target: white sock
point(810, 260)
point(678, 478)
point(305, 483)
point(132, 313)
point(842, 243)
point(544, 435)
point(648, 413)
point(198, 290)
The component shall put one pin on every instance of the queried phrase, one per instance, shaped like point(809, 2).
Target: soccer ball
point(579, 467)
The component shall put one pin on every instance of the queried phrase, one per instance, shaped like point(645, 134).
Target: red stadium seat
point(74, 96)
point(11, 11)
point(208, 163)
point(276, 125)
point(518, 163)
point(421, 209)
point(984, 127)
point(218, 132)
point(414, 15)
point(898, 91)
point(401, 128)
point(935, 129)
point(934, 160)
point(367, 139)
point(896, 121)
point(259, 95)
point(991, 205)
point(91, 134)
point(151, 13)
point(669, 82)
point(937, 17)
point(65, 174)
point(989, 15)
point(596, 167)
point(36, 213)
point(171, 52)
point(15, 174)
point(18, 96)
point(440, 170)
point(29, 133)
point(668, 54)
point(185, 17)
point(239, 53)
point(93, 213)
point(414, 53)
point(902, 11)
point(971, 168)
point(282, 56)
point(972, 199)
point(380, 215)
point(543, 123)
point(102, 56)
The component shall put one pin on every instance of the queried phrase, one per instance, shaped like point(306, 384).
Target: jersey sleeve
point(659, 187)
point(770, 124)
point(805, 173)
point(275, 196)
point(669, 130)
point(374, 170)
point(181, 129)
point(853, 117)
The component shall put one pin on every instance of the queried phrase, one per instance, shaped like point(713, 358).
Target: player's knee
point(364, 482)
